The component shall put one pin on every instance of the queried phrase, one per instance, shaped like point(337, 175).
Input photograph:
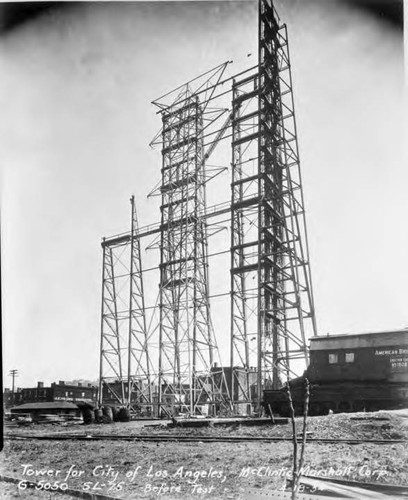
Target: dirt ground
point(222, 470)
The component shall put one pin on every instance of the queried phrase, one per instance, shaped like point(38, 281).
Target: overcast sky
point(76, 121)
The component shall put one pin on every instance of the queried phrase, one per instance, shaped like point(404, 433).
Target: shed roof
point(57, 405)
point(352, 341)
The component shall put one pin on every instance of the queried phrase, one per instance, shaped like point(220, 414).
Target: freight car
point(349, 373)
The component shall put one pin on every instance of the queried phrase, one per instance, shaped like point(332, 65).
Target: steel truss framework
point(126, 372)
point(268, 229)
point(188, 353)
point(186, 339)
point(272, 311)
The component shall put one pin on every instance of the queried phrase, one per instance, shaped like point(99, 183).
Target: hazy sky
point(76, 121)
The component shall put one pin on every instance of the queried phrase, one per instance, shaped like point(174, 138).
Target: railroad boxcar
point(367, 371)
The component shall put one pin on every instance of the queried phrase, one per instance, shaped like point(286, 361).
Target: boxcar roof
point(352, 341)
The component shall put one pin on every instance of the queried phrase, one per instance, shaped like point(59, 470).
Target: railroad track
point(192, 439)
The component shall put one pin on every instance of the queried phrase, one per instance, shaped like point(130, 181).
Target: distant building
point(74, 393)
point(10, 399)
point(78, 393)
point(223, 379)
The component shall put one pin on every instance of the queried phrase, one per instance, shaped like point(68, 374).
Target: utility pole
point(13, 374)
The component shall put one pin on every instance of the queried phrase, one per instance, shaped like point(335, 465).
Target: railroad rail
point(194, 438)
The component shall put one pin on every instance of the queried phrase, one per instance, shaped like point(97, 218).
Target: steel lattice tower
point(271, 294)
point(140, 370)
point(186, 340)
point(126, 372)
point(270, 288)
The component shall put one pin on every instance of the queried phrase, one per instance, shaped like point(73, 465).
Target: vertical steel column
point(101, 355)
point(132, 245)
point(244, 241)
point(139, 363)
point(240, 389)
point(112, 350)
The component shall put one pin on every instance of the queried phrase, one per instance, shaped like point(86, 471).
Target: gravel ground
point(169, 470)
